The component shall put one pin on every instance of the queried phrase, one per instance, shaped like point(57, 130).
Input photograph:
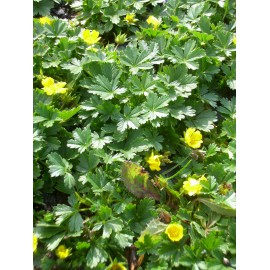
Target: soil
point(63, 11)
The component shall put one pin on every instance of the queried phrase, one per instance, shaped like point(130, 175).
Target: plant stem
point(169, 178)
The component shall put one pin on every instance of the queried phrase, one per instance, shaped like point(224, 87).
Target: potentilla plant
point(134, 136)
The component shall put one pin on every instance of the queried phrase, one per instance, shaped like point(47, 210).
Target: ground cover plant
point(134, 134)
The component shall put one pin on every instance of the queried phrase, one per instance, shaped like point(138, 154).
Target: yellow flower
point(44, 20)
point(234, 40)
point(154, 21)
point(175, 232)
point(193, 138)
point(117, 266)
point(90, 37)
point(192, 186)
point(154, 162)
point(202, 178)
point(62, 252)
point(35, 243)
point(130, 18)
point(52, 88)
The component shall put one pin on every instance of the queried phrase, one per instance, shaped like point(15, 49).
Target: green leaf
point(40, 49)
point(62, 212)
point(69, 180)
point(229, 128)
point(75, 66)
point(205, 24)
point(203, 121)
point(105, 86)
point(195, 10)
point(51, 61)
point(99, 141)
point(228, 107)
point(203, 37)
point(82, 245)
point(112, 225)
point(216, 264)
point(212, 150)
point(82, 139)
point(99, 183)
point(134, 143)
point(177, 79)
point(58, 166)
point(142, 58)
point(46, 114)
point(139, 215)
point(209, 97)
point(75, 223)
point(223, 42)
point(124, 239)
point(207, 70)
point(95, 256)
point(115, 19)
point(186, 56)
point(155, 107)
point(217, 170)
point(153, 138)
point(57, 29)
point(142, 85)
point(54, 241)
point(67, 114)
point(212, 241)
point(43, 7)
point(87, 162)
point(230, 72)
point(137, 181)
point(180, 112)
point(170, 251)
point(130, 119)
point(220, 209)
point(154, 227)
point(44, 230)
point(147, 244)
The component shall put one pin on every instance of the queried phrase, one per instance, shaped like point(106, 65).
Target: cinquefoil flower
point(234, 40)
point(154, 162)
point(62, 252)
point(52, 88)
point(192, 186)
point(193, 138)
point(175, 232)
point(154, 21)
point(90, 37)
point(130, 18)
point(117, 266)
point(45, 20)
point(35, 243)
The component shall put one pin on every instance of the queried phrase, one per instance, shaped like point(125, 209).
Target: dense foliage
point(134, 134)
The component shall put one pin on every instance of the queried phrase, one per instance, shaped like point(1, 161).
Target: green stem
point(172, 168)
point(84, 209)
point(226, 6)
point(169, 178)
